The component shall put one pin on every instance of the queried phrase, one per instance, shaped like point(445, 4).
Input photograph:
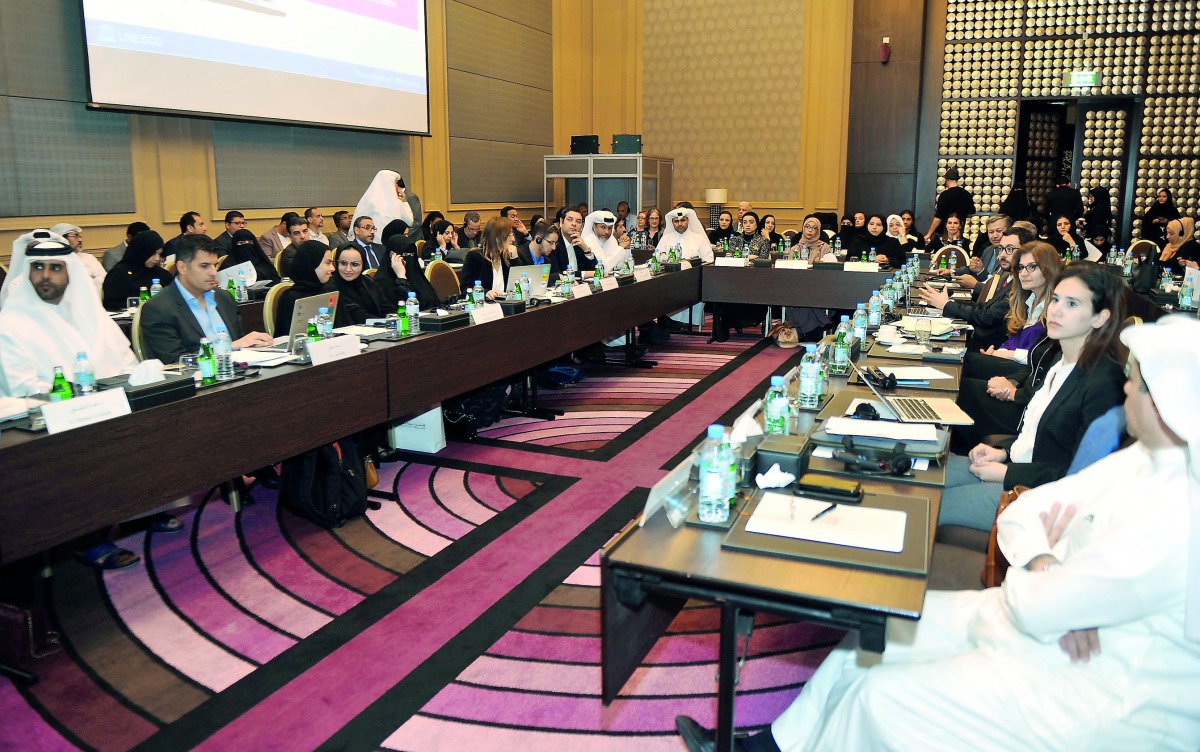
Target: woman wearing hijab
point(1016, 206)
point(138, 268)
point(768, 230)
point(440, 236)
point(359, 297)
point(724, 229)
point(427, 225)
point(311, 271)
point(404, 274)
point(1063, 237)
point(489, 264)
point(1181, 245)
point(1154, 221)
point(244, 247)
point(873, 244)
point(1098, 219)
point(905, 245)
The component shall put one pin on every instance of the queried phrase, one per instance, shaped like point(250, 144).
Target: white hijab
point(888, 228)
point(381, 203)
point(1168, 355)
point(693, 241)
point(43, 335)
point(609, 252)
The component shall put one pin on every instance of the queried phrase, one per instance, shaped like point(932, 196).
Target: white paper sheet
point(231, 272)
point(937, 325)
point(881, 429)
point(263, 358)
point(847, 525)
point(359, 331)
point(12, 407)
point(917, 373)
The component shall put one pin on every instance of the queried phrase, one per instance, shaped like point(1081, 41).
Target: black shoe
point(699, 739)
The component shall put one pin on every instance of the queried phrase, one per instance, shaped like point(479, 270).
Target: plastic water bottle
point(804, 252)
point(953, 260)
point(243, 295)
point(85, 375)
point(888, 293)
point(1112, 256)
point(810, 377)
point(787, 246)
point(841, 348)
point(1165, 279)
point(874, 309)
point(1127, 268)
point(837, 247)
point(477, 293)
point(412, 307)
point(565, 282)
point(208, 363)
point(714, 477)
point(775, 408)
point(437, 254)
point(324, 323)
point(858, 324)
point(1185, 295)
point(223, 350)
point(525, 285)
point(155, 287)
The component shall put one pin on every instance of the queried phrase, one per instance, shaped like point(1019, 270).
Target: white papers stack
point(881, 429)
point(11, 407)
point(917, 373)
point(263, 358)
point(937, 325)
point(248, 273)
point(847, 525)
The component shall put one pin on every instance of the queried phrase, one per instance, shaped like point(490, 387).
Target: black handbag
point(326, 485)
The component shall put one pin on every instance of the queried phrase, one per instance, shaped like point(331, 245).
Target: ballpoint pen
point(823, 512)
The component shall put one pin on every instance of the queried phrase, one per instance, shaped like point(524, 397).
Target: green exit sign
point(1083, 79)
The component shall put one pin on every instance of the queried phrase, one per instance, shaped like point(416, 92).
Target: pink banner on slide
point(399, 12)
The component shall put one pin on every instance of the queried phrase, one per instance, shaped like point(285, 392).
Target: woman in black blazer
point(490, 263)
point(1081, 382)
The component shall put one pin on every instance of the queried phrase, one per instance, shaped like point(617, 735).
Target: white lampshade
point(716, 195)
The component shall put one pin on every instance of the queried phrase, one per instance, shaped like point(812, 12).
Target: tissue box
point(785, 450)
point(174, 387)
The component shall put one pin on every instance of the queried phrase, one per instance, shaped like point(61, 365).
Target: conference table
point(58, 487)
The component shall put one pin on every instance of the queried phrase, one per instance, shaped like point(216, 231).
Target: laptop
point(919, 409)
point(307, 308)
point(539, 278)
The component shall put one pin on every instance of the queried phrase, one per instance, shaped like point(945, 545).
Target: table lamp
point(715, 198)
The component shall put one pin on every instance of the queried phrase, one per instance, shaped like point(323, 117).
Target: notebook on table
point(919, 409)
point(305, 309)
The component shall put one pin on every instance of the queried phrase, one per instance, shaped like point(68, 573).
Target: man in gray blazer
point(276, 239)
point(193, 307)
point(342, 235)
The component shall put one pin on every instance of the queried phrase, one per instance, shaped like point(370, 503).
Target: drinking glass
point(923, 329)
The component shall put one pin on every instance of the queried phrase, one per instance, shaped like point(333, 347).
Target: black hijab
point(304, 267)
point(757, 227)
point(130, 275)
point(1016, 205)
point(717, 234)
point(1098, 218)
point(395, 288)
point(430, 220)
point(361, 297)
point(394, 228)
point(244, 247)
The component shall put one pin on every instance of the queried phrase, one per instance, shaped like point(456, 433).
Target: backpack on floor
point(558, 376)
point(467, 413)
point(326, 485)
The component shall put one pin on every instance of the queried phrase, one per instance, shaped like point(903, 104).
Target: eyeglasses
point(1030, 267)
point(1007, 249)
point(367, 228)
point(350, 264)
point(812, 227)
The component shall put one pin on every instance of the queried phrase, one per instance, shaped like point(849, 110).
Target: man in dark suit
point(540, 250)
point(234, 221)
point(988, 319)
point(189, 224)
point(342, 235)
point(364, 239)
point(297, 232)
point(577, 256)
point(193, 307)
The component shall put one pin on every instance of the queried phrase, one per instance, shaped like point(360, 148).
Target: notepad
point(881, 429)
point(846, 525)
point(917, 373)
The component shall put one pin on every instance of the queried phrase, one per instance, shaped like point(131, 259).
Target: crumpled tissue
point(774, 478)
point(147, 372)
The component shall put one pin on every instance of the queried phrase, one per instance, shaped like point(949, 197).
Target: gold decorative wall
point(722, 95)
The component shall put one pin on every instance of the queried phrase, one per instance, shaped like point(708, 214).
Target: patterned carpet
point(466, 613)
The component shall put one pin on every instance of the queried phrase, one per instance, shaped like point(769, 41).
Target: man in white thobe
point(684, 229)
point(1093, 640)
point(597, 235)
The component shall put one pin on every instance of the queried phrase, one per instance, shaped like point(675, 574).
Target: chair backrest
point(278, 261)
point(996, 566)
point(221, 260)
point(135, 336)
point(1147, 248)
point(936, 258)
point(271, 305)
point(420, 247)
point(791, 235)
point(1100, 439)
point(443, 279)
point(170, 266)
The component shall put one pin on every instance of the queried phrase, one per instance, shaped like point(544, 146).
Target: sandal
point(107, 556)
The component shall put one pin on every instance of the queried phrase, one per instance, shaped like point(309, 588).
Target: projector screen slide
point(353, 63)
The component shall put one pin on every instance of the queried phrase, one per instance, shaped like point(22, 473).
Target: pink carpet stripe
point(191, 593)
point(417, 501)
point(166, 635)
point(219, 550)
point(586, 576)
point(587, 713)
point(567, 438)
point(561, 620)
point(394, 522)
point(272, 553)
point(487, 489)
point(23, 727)
point(458, 598)
point(571, 421)
point(450, 488)
point(425, 734)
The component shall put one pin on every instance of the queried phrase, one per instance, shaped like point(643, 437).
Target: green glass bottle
point(208, 363)
point(405, 328)
point(61, 388)
point(311, 333)
point(232, 289)
point(143, 295)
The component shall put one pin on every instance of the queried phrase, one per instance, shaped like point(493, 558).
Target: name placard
point(84, 411)
point(730, 261)
point(791, 264)
point(481, 314)
point(581, 290)
point(609, 283)
point(642, 275)
point(336, 348)
point(860, 266)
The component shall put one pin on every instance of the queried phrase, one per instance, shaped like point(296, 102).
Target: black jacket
point(989, 319)
point(476, 267)
point(170, 329)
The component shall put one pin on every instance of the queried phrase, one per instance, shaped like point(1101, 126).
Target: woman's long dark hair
point(1108, 292)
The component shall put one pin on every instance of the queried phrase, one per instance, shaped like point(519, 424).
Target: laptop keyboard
point(914, 408)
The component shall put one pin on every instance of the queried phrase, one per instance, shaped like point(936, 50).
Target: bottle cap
point(412, 295)
point(862, 306)
point(776, 381)
point(322, 311)
point(477, 283)
point(846, 318)
point(810, 347)
point(716, 432)
point(81, 356)
point(874, 293)
point(154, 280)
